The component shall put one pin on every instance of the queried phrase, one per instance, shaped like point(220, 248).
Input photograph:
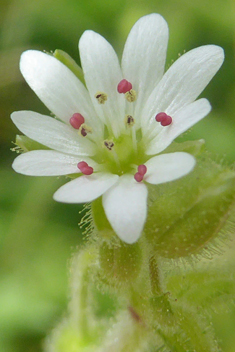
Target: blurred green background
point(37, 235)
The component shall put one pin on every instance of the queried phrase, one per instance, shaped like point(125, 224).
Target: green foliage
point(192, 211)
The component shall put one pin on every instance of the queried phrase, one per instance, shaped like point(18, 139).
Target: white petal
point(85, 188)
point(125, 205)
point(168, 167)
point(144, 56)
point(102, 73)
point(52, 133)
point(182, 121)
point(57, 87)
point(183, 82)
point(47, 163)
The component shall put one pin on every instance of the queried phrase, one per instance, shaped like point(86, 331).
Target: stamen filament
point(91, 138)
point(134, 140)
point(115, 156)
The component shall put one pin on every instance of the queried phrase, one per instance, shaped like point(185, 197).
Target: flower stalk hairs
point(111, 131)
point(154, 202)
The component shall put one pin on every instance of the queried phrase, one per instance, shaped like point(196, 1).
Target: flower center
point(123, 154)
point(118, 155)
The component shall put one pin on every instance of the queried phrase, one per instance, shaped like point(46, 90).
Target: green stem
point(154, 277)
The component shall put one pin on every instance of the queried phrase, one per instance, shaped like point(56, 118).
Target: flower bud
point(25, 144)
point(63, 57)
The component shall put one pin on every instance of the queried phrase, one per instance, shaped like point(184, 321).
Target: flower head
point(110, 132)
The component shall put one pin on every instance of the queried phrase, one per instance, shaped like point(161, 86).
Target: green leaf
point(185, 215)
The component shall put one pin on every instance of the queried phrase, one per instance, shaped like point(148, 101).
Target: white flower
point(116, 124)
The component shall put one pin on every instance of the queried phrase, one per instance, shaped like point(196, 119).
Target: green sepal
point(68, 61)
point(120, 263)
point(186, 214)
point(27, 144)
point(192, 147)
point(100, 220)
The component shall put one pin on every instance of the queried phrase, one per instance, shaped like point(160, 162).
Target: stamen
point(101, 97)
point(134, 140)
point(88, 171)
point(85, 168)
point(131, 96)
point(129, 121)
point(138, 177)
point(124, 86)
point(81, 165)
point(163, 118)
point(115, 156)
point(108, 144)
point(84, 130)
point(76, 120)
point(142, 169)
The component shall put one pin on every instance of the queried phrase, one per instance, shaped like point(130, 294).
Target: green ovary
point(122, 158)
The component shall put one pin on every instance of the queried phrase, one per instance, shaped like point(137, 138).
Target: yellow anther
point(108, 144)
point(101, 97)
point(84, 130)
point(131, 96)
point(129, 121)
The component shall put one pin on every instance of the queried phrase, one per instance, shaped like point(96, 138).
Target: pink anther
point(88, 170)
point(124, 86)
point(76, 120)
point(138, 177)
point(142, 169)
point(163, 118)
point(167, 121)
point(160, 116)
point(82, 165)
point(84, 168)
